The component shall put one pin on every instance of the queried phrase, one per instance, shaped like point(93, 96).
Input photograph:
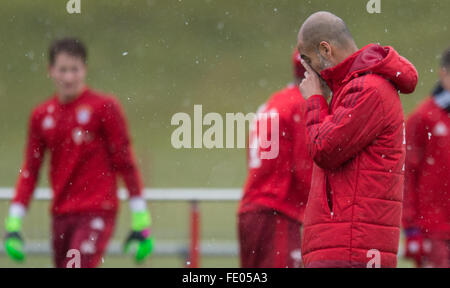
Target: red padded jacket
point(358, 146)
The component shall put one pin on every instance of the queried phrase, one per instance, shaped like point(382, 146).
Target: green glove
point(140, 239)
point(13, 239)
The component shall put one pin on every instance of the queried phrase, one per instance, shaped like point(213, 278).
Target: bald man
point(354, 208)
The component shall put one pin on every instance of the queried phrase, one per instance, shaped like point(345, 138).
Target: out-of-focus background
point(161, 57)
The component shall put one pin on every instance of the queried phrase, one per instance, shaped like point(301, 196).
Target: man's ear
point(325, 49)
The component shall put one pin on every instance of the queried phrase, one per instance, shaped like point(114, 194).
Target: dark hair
point(71, 46)
point(445, 61)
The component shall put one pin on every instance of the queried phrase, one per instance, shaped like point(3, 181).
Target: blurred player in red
point(278, 182)
point(86, 134)
point(426, 214)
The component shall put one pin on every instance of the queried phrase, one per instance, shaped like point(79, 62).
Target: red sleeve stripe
point(351, 101)
point(359, 88)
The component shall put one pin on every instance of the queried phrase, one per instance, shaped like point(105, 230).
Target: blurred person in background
point(87, 136)
point(426, 216)
point(357, 144)
point(275, 194)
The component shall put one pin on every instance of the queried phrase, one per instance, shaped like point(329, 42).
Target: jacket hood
point(374, 59)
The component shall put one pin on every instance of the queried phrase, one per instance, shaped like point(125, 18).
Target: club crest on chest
point(48, 122)
point(83, 114)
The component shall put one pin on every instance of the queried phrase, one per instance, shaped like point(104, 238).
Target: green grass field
point(228, 56)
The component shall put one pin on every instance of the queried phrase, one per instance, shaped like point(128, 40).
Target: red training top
point(427, 185)
point(281, 183)
point(89, 144)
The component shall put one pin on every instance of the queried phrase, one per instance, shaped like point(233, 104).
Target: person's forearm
point(132, 180)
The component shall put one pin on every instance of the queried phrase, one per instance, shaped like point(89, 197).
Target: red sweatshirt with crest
point(89, 146)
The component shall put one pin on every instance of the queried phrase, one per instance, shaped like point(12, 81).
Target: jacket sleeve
point(354, 124)
point(34, 155)
point(416, 133)
point(119, 147)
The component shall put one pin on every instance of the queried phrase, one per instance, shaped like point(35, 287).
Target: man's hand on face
point(311, 83)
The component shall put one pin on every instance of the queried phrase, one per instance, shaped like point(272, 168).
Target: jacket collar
point(337, 76)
